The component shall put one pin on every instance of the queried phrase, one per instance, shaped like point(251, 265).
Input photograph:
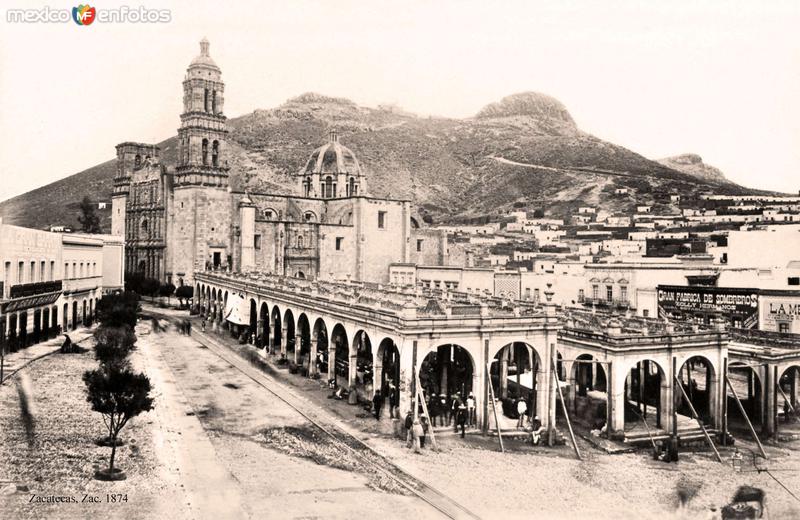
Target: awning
point(236, 310)
point(29, 302)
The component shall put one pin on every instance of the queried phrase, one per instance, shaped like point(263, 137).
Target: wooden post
point(777, 386)
point(494, 409)
point(425, 409)
point(566, 416)
point(414, 385)
point(697, 418)
point(746, 418)
point(724, 414)
point(609, 401)
point(672, 401)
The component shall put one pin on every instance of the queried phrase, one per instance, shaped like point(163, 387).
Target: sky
point(716, 78)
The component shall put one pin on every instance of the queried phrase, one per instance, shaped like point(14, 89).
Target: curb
point(10, 375)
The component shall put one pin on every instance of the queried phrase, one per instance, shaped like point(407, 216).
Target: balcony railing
point(618, 303)
point(32, 289)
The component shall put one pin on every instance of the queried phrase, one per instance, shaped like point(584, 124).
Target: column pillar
point(769, 394)
point(503, 372)
point(312, 355)
point(352, 367)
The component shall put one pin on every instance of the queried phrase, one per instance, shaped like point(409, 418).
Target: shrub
point(184, 293)
point(167, 290)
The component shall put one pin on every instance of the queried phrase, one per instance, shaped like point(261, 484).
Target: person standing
point(456, 404)
point(522, 408)
point(471, 409)
point(393, 401)
point(416, 433)
point(377, 403)
point(433, 408)
point(409, 424)
point(461, 418)
point(203, 324)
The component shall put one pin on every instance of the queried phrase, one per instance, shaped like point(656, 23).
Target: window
point(609, 292)
point(352, 188)
point(52, 270)
point(783, 328)
point(82, 271)
point(214, 101)
point(205, 152)
point(215, 153)
point(33, 272)
point(66, 271)
point(307, 187)
point(581, 295)
point(381, 220)
point(205, 100)
point(328, 190)
point(7, 274)
point(536, 295)
point(74, 269)
point(268, 214)
point(257, 241)
point(527, 293)
point(300, 243)
point(623, 293)
point(42, 271)
point(645, 312)
point(419, 244)
point(94, 268)
point(794, 280)
point(595, 292)
point(339, 241)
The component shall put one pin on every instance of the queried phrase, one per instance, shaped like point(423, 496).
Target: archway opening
point(746, 380)
point(448, 371)
point(645, 398)
point(698, 382)
point(253, 324)
point(587, 394)
point(515, 374)
point(339, 348)
point(365, 371)
point(23, 329)
point(37, 326)
point(74, 315)
point(303, 341)
point(276, 330)
point(318, 358)
point(263, 333)
point(289, 334)
point(788, 388)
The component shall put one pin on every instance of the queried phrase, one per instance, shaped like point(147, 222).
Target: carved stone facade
point(182, 219)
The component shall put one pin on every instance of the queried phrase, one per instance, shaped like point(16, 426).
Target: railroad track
point(347, 441)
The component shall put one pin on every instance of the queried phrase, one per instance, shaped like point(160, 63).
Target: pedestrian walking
point(433, 408)
point(522, 407)
point(188, 327)
point(203, 324)
point(471, 409)
point(377, 403)
point(461, 418)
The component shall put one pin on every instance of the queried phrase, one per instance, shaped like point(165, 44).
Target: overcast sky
point(719, 78)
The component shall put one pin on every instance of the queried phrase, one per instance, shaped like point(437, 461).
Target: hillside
point(524, 149)
point(693, 165)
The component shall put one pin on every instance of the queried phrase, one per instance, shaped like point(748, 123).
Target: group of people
point(444, 409)
point(185, 327)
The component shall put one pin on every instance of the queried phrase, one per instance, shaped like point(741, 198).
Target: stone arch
point(253, 321)
point(789, 384)
point(449, 369)
point(339, 354)
point(749, 383)
point(363, 355)
point(588, 376)
point(386, 368)
point(528, 377)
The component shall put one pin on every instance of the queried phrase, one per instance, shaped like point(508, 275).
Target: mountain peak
point(693, 164)
point(530, 104)
point(310, 98)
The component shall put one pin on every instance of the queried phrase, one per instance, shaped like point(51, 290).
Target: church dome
point(204, 59)
point(332, 159)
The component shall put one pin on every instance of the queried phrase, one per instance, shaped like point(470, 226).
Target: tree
point(184, 293)
point(538, 213)
point(119, 395)
point(167, 290)
point(113, 345)
point(150, 287)
point(90, 222)
point(118, 309)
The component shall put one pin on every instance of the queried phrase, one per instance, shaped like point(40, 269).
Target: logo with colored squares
point(83, 14)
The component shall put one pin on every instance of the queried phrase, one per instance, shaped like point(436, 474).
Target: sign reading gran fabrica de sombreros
point(699, 303)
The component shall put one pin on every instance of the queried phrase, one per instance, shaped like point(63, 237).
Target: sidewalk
point(16, 360)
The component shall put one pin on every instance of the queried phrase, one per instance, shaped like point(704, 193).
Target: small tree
point(115, 310)
point(119, 395)
point(167, 290)
point(113, 345)
point(90, 222)
point(150, 287)
point(184, 293)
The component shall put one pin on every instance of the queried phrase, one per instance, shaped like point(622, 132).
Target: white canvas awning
point(236, 310)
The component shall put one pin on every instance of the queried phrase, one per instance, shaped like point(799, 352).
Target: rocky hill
point(523, 151)
point(693, 165)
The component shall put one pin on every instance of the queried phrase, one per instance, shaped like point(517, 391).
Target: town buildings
point(52, 282)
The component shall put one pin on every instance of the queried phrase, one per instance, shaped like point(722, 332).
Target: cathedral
point(184, 217)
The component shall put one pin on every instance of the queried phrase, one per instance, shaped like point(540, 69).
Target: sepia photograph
point(372, 259)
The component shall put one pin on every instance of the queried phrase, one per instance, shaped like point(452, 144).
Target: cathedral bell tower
point(202, 157)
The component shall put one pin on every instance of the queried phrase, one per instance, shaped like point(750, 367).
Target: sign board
point(780, 313)
point(739, 306)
